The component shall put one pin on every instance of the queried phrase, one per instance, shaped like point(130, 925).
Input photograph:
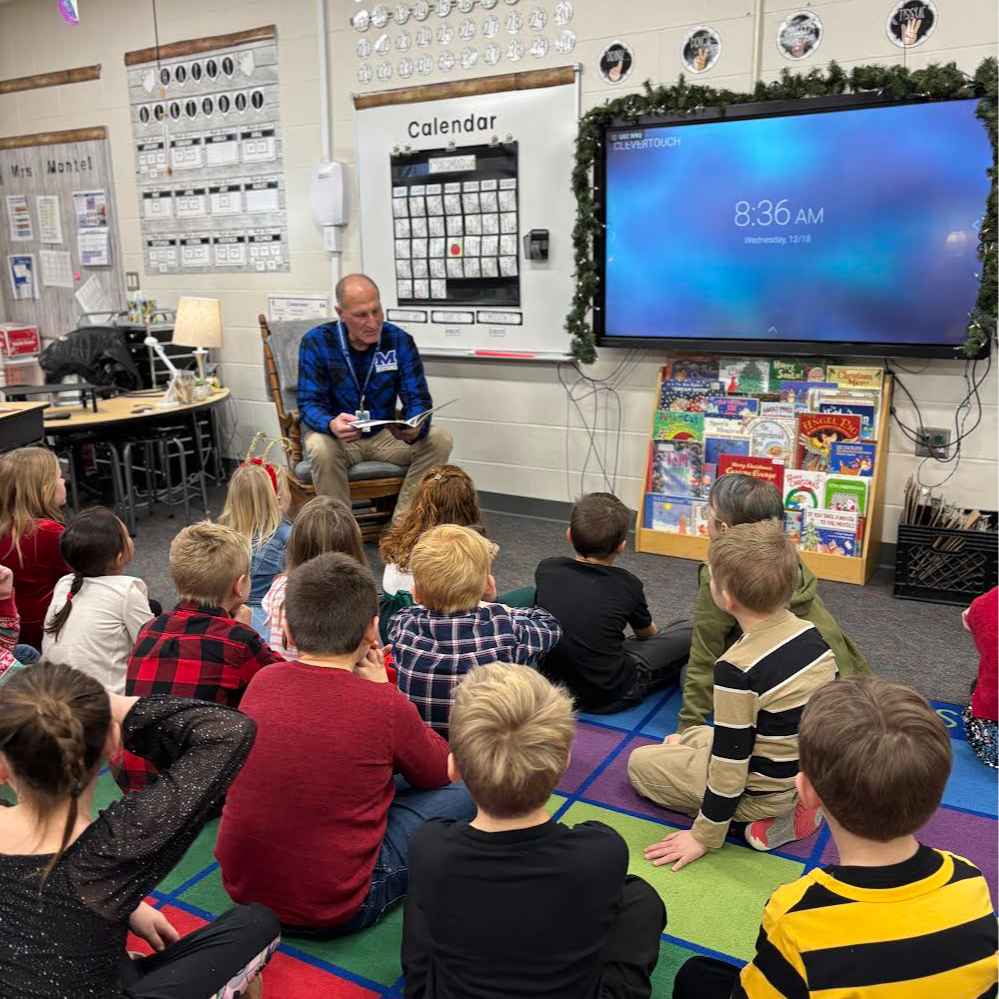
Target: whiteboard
point(542, 123)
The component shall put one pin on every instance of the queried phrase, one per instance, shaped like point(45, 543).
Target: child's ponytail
point(55, 625)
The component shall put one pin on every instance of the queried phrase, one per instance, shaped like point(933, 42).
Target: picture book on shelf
point(796, 392)
point(700, 521)
point(866, 410)
point(731, 407)
point(853, 459)
point(669, 513)
point(830, 532)
point(848, 376)
point(685, 396)
point(846, 493)
point(748, 375)
point(803, 490)
point(805, 369)
point(676, 467)
point(817, 432)
point(774, 439)
point(671, 424)
point(715, 447)
point(702, 369)
point(779, 410)
point(793, 524)
point(759, 468)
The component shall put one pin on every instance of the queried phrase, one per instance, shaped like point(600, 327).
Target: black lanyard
point(361, 389)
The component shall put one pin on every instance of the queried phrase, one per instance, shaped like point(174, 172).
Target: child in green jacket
point(741, 499)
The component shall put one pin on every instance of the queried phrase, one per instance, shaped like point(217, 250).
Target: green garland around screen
point(894, 82)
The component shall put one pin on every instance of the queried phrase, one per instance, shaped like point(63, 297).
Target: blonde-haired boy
point(532, 906)
point(743, 768)
point(453, 626)
point(204, 647)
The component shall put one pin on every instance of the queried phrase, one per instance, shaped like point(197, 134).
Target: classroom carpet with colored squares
point(714, 906)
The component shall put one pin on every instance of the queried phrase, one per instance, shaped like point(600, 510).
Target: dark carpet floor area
point(920, 644)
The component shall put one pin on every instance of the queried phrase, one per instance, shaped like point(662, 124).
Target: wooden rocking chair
point(374, 485)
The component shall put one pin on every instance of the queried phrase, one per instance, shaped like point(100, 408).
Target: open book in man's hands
point(413, 421)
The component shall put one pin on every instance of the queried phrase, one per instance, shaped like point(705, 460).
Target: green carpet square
point(199, 856)
point(671, 957)
point(373, 953)
point(207, 894)
point(106, 792)
point(716, 902)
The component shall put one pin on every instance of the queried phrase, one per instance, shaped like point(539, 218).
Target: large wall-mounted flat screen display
point(853, 229)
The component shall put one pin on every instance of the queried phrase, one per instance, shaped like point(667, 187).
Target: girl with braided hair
point(108, 609)
point(72, 887)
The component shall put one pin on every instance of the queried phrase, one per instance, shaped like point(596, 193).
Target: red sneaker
point(768, 834)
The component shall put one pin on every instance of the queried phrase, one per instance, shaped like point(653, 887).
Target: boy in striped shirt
point(892, 919)
point(743, 769)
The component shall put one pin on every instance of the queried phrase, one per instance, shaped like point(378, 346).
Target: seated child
point(10, 627)
point(514, 903)
point(980, 716)
point(446, 495)
point(204, 647)
point(324, 524)
point(32, 495)
point(453, 627)
point(892, 919)
point(743, 768)
point(741, 499)
point(108, 609)
point(72, 885)
point(594, 601)
point(256, 506)
point(316, 828)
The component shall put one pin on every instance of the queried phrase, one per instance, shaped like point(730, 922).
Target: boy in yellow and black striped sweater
point(742, 769)
point(893, 919)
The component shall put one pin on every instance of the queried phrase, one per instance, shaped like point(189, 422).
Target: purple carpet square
point(590, 748)
point(970, 836)
point(613, 788)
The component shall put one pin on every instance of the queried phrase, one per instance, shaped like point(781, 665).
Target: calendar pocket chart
point(454, 217)
point(206, 128)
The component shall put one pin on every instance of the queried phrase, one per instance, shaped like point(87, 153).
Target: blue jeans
point(390, 878)
point(27, 655)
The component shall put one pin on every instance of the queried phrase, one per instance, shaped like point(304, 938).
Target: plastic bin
point(942, 566)
point(21, 371)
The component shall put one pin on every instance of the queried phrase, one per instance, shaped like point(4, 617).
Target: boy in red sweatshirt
point(316, 827)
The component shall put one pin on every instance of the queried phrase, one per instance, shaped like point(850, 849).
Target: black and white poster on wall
point(799, 35)
point(911, 22)
point(206, 130)
point(700, 50)
point(616, 62)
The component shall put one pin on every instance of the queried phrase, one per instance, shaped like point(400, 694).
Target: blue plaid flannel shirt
point(326, 388)
point(433, 650)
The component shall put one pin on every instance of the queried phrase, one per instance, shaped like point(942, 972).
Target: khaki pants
point(676, 777)
point(331, 459)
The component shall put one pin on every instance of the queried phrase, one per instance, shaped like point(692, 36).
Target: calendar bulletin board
point(452, 177)
point(206, 132)
point(58, 212)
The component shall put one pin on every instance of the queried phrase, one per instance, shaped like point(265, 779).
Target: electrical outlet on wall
point(131, 280)
point(934, 442)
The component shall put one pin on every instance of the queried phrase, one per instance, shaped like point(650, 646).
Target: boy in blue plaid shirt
point(453, 626)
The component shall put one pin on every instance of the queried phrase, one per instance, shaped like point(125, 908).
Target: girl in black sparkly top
point(72, 887)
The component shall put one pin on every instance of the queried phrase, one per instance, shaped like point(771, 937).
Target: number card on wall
point(206, 130)
point(455, 226)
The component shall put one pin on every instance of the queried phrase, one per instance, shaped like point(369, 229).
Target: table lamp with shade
point(198, 325)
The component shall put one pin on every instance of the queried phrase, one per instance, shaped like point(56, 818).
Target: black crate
point(944, 566)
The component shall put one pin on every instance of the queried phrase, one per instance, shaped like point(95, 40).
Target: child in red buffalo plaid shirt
point(204, 648)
